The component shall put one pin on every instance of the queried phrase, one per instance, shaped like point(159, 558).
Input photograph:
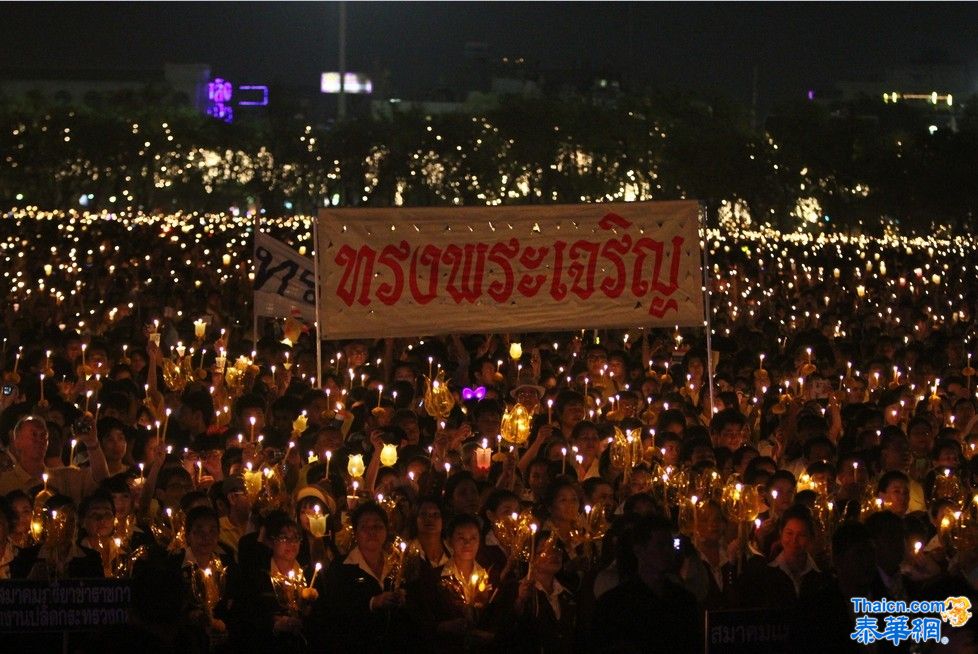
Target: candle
point(329, 455)
point(71, 455)
point(533, 533)
point(380, 394)
point(483, 456)
point(315, 572)
point(550, 411)
point(166, 422)
point(400, 564)
point(563, 460)
point(252, 420)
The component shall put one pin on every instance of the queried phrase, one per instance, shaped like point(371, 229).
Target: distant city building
point(937, 87)
point(189, 85)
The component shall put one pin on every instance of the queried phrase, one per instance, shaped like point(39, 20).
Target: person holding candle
point(562, 509)
point(893, 488)
point(446, 605)
point(112, 438)
point(792, 572)
point(648, 611)
point(355, 613)
point(544, 613)
point(29, 446)
point(427, 549)
point(237, 522)
point(210, 577)
point(97, 515)
point(50, 539)
point(314, 511)
point(589, 446)
point(8, 550)
point(21, 510)
point(273, 600)
point(499, 504)
point(708, 537)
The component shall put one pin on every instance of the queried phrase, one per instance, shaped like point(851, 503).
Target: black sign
point(66, 605)
point(748, 630)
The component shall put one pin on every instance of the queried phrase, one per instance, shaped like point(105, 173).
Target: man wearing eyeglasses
point(27, 449)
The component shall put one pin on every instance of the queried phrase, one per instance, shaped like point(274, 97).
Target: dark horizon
point(708, 48)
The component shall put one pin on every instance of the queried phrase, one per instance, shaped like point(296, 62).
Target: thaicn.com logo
point(898, 621)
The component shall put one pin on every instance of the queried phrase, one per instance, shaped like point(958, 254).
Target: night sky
point(706, 47)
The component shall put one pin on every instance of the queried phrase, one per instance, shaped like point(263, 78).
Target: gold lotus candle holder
point(438, 399)
point(300, 424)
point(514, 533)
point(178, 372)
point(394, 561)
point(515, 425)
point(626, 450)
point(739, 502)
point(592, 525)
point(948, 486)
point(288, 590)
point(689, 514)
point(252, 481)
point(207, 586)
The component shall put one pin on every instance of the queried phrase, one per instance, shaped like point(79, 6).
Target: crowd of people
point(563, 492)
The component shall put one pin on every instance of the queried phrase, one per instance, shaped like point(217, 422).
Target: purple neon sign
point(220, 93)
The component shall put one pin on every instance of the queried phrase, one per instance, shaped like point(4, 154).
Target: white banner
point(412, 272)
point(284, 280)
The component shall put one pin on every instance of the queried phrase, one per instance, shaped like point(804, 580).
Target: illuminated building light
point(356, 83)
point(254, 103)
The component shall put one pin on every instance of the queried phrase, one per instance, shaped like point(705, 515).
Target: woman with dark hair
point(500, 504)
point(272, 602)
point(544, 612)
point(208, 572)
point(356, 608)
point(427, 549)
point(7, 548)
point(461, 494)
point(314, 511)
point(62, 554)
point(448, 604)
point(561, 508)
point(20, 507)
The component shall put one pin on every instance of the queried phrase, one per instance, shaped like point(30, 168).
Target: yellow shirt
point(76, 483)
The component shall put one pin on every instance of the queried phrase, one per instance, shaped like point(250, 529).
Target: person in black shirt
point(648, 612)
